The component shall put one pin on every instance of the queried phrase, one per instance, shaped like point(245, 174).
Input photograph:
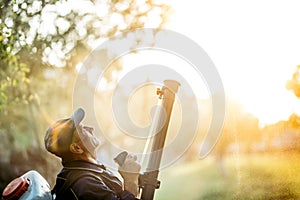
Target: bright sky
point(255, 46)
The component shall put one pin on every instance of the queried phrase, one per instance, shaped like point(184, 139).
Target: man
point(82, 177)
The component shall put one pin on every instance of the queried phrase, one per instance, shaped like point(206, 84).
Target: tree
point(294, 83)
point(240, 128)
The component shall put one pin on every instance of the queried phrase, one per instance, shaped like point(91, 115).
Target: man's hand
point(129, 170)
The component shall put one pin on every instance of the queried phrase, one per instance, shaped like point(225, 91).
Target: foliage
point(13, 78)
point(56, 29)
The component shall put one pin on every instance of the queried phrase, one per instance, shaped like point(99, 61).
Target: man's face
point(87, 138)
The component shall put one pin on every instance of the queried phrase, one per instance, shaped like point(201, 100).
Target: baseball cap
point(59, 135)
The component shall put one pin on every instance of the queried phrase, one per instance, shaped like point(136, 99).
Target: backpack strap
point(83, 172)
point(69, 182)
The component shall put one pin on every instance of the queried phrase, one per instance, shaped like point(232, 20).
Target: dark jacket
point(87, 181)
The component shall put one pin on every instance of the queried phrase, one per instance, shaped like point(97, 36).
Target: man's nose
point(89, 129)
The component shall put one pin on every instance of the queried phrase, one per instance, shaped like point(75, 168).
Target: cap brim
point(78, 116)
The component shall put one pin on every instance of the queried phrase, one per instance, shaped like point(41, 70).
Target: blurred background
point(255, 47)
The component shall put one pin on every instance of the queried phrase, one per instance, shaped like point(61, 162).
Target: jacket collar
point(83, 164)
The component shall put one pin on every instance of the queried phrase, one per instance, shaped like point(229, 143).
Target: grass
point(264, 176)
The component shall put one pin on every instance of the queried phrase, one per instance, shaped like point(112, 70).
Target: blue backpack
point(29, 186)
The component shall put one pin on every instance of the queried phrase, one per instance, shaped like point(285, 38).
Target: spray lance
point(148, 181)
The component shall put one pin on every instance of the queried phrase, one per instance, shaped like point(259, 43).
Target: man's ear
point(75, 148)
